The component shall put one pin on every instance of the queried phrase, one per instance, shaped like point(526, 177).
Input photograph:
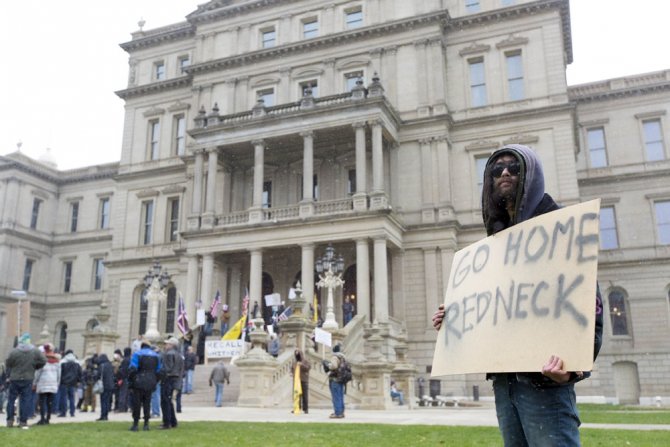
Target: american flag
point(182, 319)
point(214, 309)
point(284, 315)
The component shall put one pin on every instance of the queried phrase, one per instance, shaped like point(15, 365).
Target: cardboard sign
point(323, 337)
point(216, 349)
point(522, 295)
point(274, 299)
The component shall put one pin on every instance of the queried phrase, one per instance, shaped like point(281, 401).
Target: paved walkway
point(483, 415)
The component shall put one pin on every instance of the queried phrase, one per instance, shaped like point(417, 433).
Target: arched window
point(144, 307)
point(92, 324)
point(61, 336)
point(170, 307)
point(618, 313)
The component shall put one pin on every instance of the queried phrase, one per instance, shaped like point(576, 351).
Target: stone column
point(328, 87)
point(363, 278)
point(445, 207)
point(381, 280)
point(284, 31)
point(256, 213)
point(236, 292)
point(283, 95)
point(11, 202)
point(191, 289)
point(422, 78)
point(241, 94)
point(378, 197)
point(360, 195)
point(229, 104)
point(307, 202)
point(427, 181)
point(196, 205)
point(390, 65)
point(437, 73)
point(210, 197)
point(255, 278)
point(307, 268)
point(207, 283)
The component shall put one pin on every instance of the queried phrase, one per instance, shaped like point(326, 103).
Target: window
point(310, 28)
point(305, 85)
point(351, 78)
point(98, 273)
point(267, 195)
point(351, 181)
point(268, 38)
point(74, 216)
point(515, 76)
point(354, 18)
point(608, 234)
point(144, 309)
point(35, 213)
point(170, 305)
point(597, 150)
point(147, 221)
point(159, 71)
point(173, 207)
point(104, 212)
point(653, 140)
point(67, 276)
point(315, 187)
point(618, 315)
point(477, 83)
point(183, 62)
point(267, 95)
point(27, 273)
point(480, 166)
point(471, 6)
point(61, 330)
point(506, 2)
point(663, 221)
point(180, 134)
point(154, 135)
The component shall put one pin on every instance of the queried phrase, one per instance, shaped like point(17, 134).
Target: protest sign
point(522, 295)
point(323, 337)
point(273, 299)
point(216, 349)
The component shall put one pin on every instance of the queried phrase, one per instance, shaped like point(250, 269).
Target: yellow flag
point(297, 389)
point(235, 331)
point(316, 309)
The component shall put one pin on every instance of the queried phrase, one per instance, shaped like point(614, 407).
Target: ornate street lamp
point(155, 281)
point(330, 267)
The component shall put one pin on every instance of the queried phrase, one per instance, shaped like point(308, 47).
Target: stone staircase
point(203, 394)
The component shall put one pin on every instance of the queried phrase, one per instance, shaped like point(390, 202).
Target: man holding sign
point(533, 408)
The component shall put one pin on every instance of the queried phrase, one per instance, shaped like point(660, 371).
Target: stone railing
point(334, 206)
point(236, 218)
point(285, 213)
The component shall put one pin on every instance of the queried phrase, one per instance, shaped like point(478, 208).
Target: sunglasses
point(513, 168)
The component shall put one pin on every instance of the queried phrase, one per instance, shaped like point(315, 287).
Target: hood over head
point(529, 194)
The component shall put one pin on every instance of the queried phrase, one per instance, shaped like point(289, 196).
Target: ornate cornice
point(215, 10)
point(158, 36)
point(32, 167)
point(155, 87)
point(326, 41)
point(644, 84)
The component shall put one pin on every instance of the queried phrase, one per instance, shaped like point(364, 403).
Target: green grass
point(621, 414)
point(240, 434)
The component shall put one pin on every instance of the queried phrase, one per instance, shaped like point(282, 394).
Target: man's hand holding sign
point(520, 298)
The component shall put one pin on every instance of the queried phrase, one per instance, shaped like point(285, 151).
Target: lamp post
point(156, 281)
point(329, 267)
point(19, 294)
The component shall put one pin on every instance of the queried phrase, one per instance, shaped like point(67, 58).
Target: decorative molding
point(155, 87)
point(75, 199)
point(177, 106)
point(512, 41)
point(482, 145)
point(153, 111)
point(353, 63)
point(608, 201)
point(103, 195)
point(594, 123)
point(521, 139)
point(41, 194)
point(263, 81)
point(173, 189)
point(474, 48)
point(652, 114)
point(158, 36)
point(143, 194)
point(307, 73)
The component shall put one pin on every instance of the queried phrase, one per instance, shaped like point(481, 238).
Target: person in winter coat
point(106, 372)
point(190, 361)
point(46, 383)
point(532, 408)
point(90, 376)
point(171, 380)
point(22, 363)
point(122, 381)
point(217, 377)
point(70, 376)
point(142, 380)
point(304, 365)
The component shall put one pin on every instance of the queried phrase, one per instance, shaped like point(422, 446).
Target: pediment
point(512, 41)
point(522, 139)
point(153, 111)
point(177, 106)
point(353, 63)
point(143, 194)
point(474, 48)
point(266, 80)
point(482, 145)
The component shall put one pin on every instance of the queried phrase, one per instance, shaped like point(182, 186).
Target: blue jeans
point(156, 401)
point(23, 389)
point(337, 393)
point(531, 416)
point(105, 403)
point(218, 396)
point(68, 393)
point(188, 381)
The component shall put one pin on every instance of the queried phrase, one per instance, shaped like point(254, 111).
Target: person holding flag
point(301, 369)
point(182, 318)
point(240, 326)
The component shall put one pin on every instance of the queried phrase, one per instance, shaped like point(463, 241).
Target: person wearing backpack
point(337, 371)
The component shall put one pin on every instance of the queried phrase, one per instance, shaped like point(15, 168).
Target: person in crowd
point(532, 408)
point(122, 381)
point(46, 383)
point(255, 310)
point(70, 376)
point(3, 386)
point(22, 363)
point(106, 374)
point(190, 361)
point(274, 346)
point(225, 319)
point(301, 362)
point(136, 345)
point(336, 388)
point(395, 394)
point(116, 362)
point(218, 377)
point(347, 310)
point(91, 375)
point(171, 377)
point(142, 380)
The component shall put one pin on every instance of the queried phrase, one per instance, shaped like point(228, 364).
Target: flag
point(214, 309)
point(245, 314)
point(284, 315)
point(297, 389)
point(235, 331)
point(316, 309)
point(182, 319)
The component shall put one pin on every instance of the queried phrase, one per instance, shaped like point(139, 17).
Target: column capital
point(259, 142)
point(329, 61)
point(362, 240)
point(307, 134)
point(375, 52)
point(358, 124)
point(284, 70)
point(391, 50)
point(211, 150)
point(420, 43)
point(308, 245)
point(375, 122)
point(424, 141)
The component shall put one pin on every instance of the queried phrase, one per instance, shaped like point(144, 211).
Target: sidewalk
point(483, 415)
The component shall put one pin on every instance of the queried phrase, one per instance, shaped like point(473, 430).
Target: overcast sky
point(62, 63)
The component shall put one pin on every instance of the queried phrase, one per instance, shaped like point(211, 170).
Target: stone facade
point(252, 142)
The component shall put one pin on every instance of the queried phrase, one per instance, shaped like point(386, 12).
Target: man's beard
point(504, 198)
